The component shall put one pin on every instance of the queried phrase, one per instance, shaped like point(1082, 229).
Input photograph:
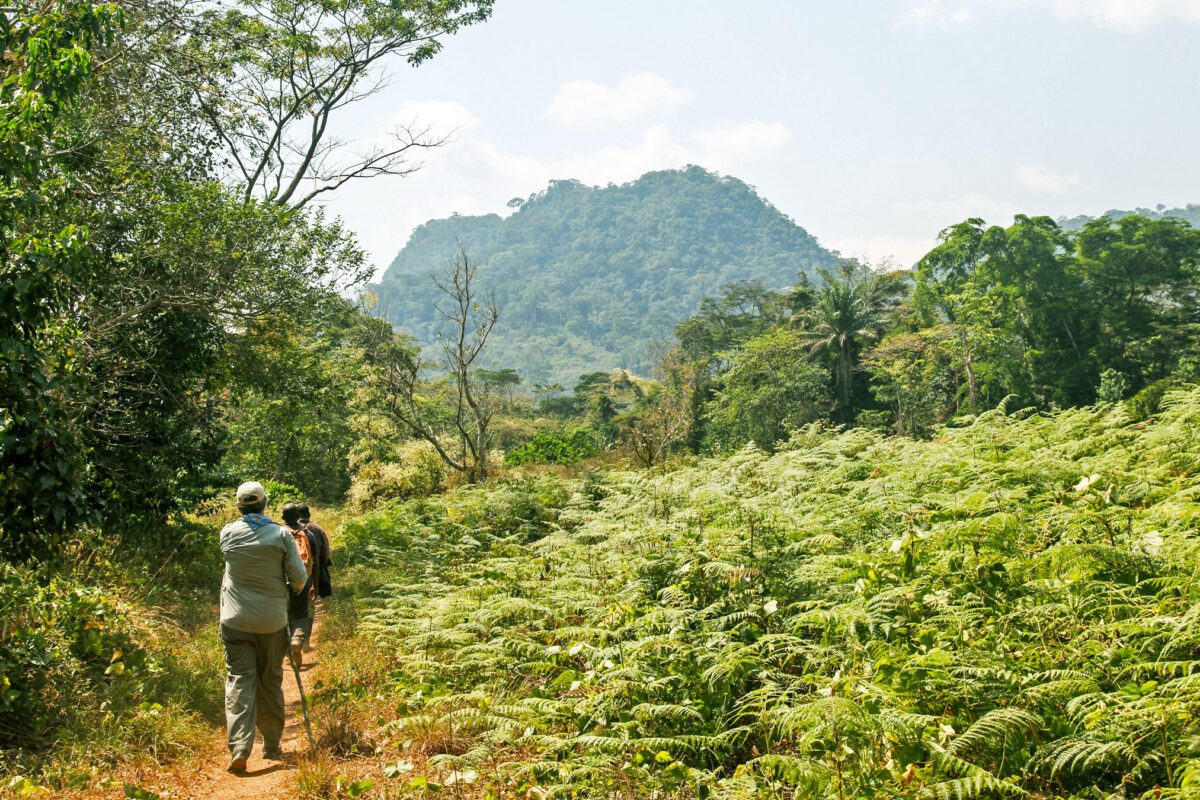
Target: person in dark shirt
point(322, 578)
point(300, 607)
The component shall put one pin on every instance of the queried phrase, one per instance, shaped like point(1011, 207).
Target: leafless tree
point(468, 405)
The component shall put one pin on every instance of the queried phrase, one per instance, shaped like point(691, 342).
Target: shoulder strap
point(257, 521)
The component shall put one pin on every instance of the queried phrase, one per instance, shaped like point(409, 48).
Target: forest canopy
point(588, 277)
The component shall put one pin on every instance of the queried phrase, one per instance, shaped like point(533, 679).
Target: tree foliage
point(590, 277)
point(136, 274)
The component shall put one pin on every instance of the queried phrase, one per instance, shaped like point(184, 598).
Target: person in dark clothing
point(300, 609)
point(324, 559)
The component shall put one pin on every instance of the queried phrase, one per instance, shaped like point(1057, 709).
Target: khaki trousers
point(253, 688)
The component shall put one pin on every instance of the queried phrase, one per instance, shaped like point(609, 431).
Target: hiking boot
point(297, 654)
point(238, 765)
point(273, 753)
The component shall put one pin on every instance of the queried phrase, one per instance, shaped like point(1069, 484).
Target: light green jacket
point(259, 566)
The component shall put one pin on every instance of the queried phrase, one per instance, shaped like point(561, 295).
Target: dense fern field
point(1006, 610)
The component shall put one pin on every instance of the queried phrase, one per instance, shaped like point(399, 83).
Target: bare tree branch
point(271, 76)
point(471, 405)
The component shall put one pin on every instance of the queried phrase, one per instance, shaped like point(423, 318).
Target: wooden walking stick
point(303, 700)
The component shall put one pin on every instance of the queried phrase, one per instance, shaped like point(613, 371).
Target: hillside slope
point(587, 277)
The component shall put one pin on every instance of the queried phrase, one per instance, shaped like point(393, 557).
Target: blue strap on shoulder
point(256, 521)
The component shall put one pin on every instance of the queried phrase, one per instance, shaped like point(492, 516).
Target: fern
point(1018, 639)
point(994, 728)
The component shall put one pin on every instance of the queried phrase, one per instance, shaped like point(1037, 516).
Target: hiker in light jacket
point(262, 570)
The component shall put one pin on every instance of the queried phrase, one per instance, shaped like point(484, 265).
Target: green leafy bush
point(418, 471)
point(1114, 386)
point(549, 447)
point(1148, 401)
point(65, 648)
point(279, 493)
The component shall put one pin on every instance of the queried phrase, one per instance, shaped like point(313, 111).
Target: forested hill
point(1190, 212)
point(587, 277)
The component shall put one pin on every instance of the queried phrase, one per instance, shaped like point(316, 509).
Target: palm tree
point(848, 316)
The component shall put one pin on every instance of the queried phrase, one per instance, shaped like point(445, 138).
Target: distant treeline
point(1029, 315)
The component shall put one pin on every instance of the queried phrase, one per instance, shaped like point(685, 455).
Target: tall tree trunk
point(972, 386)
point(845, 375)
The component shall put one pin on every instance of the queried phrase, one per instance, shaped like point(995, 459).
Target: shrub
point(418, 472)
point(280, 493)
point(1114, 386)
point(64, 648)
point(526, 507)
point(555, 448)
point(379, 529)
point(1148, 401)
point(875, 419)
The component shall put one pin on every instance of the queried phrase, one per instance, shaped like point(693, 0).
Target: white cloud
point(741, 142)
point(1044, 179)
point(884, 252)
point(1126, 15)
point(937, 13)
point(587, 102)
point(944, 211)
point(723, 147)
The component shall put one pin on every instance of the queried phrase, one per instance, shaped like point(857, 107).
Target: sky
point(874, 124)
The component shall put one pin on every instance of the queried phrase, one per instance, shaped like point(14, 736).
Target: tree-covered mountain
point(587, 278)
point(1190, 212)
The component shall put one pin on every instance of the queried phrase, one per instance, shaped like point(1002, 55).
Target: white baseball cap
point(250, 493)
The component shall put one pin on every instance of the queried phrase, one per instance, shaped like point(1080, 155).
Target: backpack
point(306, 554)
point(324, 583)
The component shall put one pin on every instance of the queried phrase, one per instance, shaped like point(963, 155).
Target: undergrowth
point(111, 670)
point(1007, 610)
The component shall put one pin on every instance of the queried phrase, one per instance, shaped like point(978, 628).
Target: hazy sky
point(872, 123)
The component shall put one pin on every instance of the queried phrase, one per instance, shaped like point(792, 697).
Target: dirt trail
point(263, 780)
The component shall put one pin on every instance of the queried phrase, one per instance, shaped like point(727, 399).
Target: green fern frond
point(975, 786)
point(993, 728)
point(1082, 755)
point(672, 713)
